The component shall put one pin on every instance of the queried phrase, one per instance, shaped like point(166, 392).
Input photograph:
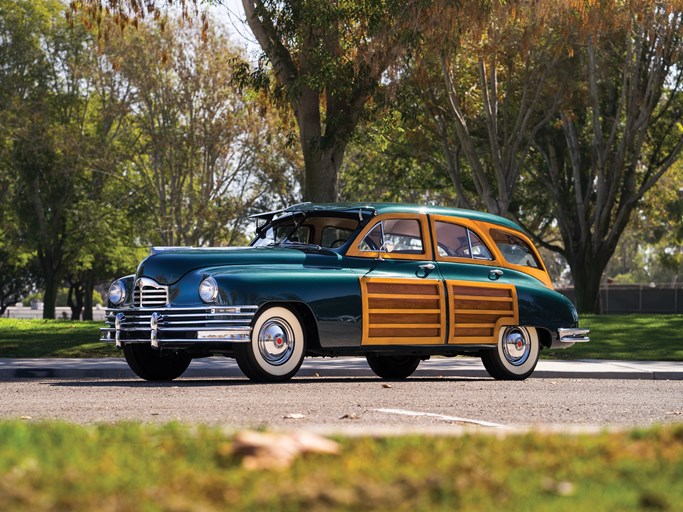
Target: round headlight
point(208, 289)
point(117, 293)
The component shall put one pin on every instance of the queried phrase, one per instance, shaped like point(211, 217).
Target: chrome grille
point(149, 294)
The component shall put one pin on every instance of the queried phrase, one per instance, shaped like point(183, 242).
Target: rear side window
point(514, 249)
point(460, 242)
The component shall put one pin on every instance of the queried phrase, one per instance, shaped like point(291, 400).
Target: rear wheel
point(277, 347)
point(515, 355)
point(155, 365)
point(393, 367)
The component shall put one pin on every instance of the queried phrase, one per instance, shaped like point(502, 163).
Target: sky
point(231, 14)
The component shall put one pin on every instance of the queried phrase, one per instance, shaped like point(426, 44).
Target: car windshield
point(326, 231)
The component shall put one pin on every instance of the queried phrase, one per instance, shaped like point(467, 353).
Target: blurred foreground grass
point(635, 337)
point(131, 467)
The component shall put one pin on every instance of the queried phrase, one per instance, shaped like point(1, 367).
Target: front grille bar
point(148, 293)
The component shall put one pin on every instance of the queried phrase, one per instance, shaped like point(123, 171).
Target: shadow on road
point(237, 382)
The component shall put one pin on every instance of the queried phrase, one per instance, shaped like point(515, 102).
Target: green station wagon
point(393, 283)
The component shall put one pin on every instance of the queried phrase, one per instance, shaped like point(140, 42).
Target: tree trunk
point(323, 153)
point(322, 174)
point(50, 299)
point(588, 265)
point(587, 288)
point(89, 287)
point(75, 290)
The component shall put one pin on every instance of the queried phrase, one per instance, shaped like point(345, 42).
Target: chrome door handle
point(428, 266)
point(495, 273)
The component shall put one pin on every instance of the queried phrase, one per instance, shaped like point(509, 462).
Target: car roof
point(382, 208)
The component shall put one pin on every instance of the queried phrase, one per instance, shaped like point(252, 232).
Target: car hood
point(168, 266)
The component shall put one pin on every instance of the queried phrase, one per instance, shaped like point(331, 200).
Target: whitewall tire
point(276, 349)
point(516, 354)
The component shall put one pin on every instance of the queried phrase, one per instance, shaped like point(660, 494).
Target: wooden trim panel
point(479, 310)
point(403, 311)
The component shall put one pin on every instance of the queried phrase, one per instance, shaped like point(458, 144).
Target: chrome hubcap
point(516, 346)
point(276, 341)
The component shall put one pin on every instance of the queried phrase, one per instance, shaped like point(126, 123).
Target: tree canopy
point(560, 115)
point(127, 123)
point(114, 143)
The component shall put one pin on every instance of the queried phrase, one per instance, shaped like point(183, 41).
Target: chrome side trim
point(232, 310)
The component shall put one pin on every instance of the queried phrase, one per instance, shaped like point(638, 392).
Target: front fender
point(543, 307)
point(332, 295)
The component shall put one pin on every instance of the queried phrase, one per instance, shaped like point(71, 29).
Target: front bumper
point(565, 338)
point(178, 326)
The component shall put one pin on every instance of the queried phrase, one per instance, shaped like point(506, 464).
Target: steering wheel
point(447, 251)
point(372, 246)
point(462, 251)
point(337, 243)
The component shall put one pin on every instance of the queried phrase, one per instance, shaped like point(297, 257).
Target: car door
point(480, 297)
point(401, 290)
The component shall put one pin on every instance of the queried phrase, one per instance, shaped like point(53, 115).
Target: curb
point(461, 367)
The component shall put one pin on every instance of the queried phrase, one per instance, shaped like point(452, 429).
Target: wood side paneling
point(479, 310)
point(401, 289)
point(403, 311)
point(480, 291)
point(394, 303)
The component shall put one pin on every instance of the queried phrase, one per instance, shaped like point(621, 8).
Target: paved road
point(353, 403)
point(220, 367)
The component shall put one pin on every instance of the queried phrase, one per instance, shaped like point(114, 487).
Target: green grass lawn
point(134, 467)
point(52, 338)
point(635, 337)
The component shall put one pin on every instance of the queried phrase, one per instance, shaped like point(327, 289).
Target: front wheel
point(277, 347)
point(515, 355)
point(151, 364)
point(392, 367)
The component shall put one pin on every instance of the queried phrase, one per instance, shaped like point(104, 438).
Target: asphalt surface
point(445, 396)
point(353, 405)
point(460, 367)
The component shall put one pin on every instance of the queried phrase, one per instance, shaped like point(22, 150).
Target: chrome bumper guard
point(160, 326)
point(574, 335)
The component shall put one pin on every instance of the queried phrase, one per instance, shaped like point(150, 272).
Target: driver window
point(457, 241)
point(401, 236)
point(373, 240)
